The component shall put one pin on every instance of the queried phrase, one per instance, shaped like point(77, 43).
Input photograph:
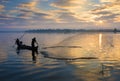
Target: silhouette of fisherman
point(17, 42)
point(34, 49)
point(34, 42)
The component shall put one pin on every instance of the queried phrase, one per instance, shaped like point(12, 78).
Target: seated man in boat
point(20, 44)
point(17, 42)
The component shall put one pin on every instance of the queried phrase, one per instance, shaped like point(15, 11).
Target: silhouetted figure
point(17, 42)
point(33, 44)
point(19, 45)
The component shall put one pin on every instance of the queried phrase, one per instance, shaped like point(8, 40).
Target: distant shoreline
point(64, 31)
point(70, 30)
point(12, 31)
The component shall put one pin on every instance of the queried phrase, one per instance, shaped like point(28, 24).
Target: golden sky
point(77, 14)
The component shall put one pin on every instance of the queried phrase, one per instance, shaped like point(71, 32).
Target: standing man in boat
point(33, 44)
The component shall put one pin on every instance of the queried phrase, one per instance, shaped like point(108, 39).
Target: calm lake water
point(62, 57)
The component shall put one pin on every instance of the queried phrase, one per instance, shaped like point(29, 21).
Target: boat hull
point(25, 47)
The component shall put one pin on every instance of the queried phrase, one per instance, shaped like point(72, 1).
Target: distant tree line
point(70, 30)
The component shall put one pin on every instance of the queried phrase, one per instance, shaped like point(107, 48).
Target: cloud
point(68, 3)
point(76, 9)
point(4, 1)
point(29, 5)
point(117, 18)
point(30, 10)
point(2, 8)
point(108, 1)
point(86, 11)
point(67, 12)
point(27, 13)
point(109, 12)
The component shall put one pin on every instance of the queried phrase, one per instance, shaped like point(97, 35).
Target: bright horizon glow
point(60, 14)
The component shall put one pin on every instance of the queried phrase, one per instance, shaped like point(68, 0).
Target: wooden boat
point(25, 47)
